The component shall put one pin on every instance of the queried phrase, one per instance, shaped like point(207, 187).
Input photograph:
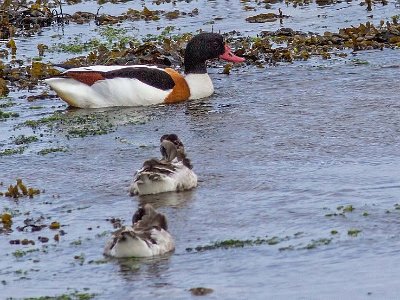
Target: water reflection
point(132, 268)
point(171, 199)
point(115, 115)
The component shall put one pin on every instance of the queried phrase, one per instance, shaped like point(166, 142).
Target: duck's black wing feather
point(155, 77)
point(151, 76)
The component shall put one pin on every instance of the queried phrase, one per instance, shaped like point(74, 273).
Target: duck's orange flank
point(181, 91)
point(89, 77)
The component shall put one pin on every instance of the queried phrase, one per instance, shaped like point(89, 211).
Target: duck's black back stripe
point(151, 76)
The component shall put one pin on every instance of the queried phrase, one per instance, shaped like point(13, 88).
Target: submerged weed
point(76, 295)
point(227, 244)
point(12, 151)
point(43, 121)
point(21, 253)
point(51, 150)
point(22, 139)
point(97, 262)
point(358, 62)
point(73, 126)
point(76, 46)
point(6, 115)
point(348, 208)
point(315, 243)
point(201, 291)
point(9, 103)
point(353, 232)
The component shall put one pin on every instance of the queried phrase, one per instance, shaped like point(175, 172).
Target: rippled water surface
point(279, 151)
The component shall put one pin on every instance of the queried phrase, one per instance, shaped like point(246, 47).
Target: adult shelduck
point(136, 85)
point(148, 236)
point(172, 173)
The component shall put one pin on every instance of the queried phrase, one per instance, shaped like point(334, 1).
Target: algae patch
point(75, 295)
point(12, 151)
point(232, 243)
point(52, 150)
point(201, 291)
point(315, 243)
point(7, 115)
point(22, 139)
point(21, 253)
point(353, 232)
point(73, 125)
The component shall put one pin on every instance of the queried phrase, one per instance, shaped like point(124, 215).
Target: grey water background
point(277, 150)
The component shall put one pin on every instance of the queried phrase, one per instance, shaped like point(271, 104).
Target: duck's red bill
point(229, 56)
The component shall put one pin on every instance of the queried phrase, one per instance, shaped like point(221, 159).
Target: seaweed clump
point(287, 45)
point(228, 244)
point(17, 18)
point(21, 190)
point(6, 221)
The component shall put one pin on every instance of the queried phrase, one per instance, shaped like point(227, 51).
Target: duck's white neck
point(200, 85)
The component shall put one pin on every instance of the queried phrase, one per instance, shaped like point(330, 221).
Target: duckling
point(173, 172)
point(148, 236)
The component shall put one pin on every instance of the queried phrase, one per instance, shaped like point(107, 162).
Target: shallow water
point(277, 150)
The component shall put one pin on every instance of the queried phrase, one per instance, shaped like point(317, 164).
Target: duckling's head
point(168, 150)
point(147, 217)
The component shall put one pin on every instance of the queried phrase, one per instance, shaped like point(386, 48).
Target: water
point(277, 150)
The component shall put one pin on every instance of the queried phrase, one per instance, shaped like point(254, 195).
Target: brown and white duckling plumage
point(137, 85)
point(172, 173)
point(148, 236)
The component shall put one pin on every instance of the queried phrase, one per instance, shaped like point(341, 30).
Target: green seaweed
point(88, 131)
point(6, 104)
point(76, 295)
point(353, 232)
point(348, 208)
point(109, 37)
point(76, 243)
point(227, 244)
point(12, 151)
point(21, 253)
point(22, 139)
point(76, 46)
point(358, 62)
point(75, 125)
point(52, 150)
point(46, 120)
point(98, 262)
point(6, 115)
point(315, 243)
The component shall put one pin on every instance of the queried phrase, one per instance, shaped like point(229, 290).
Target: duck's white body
point(200, 86)
point(159, 243)
point(160, 179)
point(123, 91)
